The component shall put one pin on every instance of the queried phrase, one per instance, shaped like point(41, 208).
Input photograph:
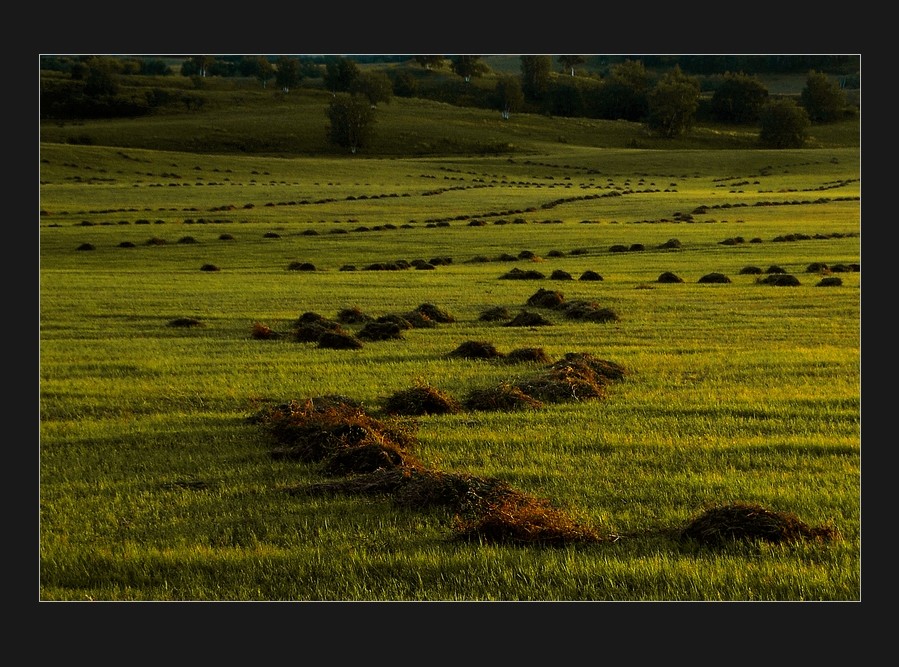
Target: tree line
point(667, 101)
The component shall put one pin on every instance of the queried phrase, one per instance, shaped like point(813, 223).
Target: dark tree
point(375, 86)
point(822, 98)
point(430, 62)
point(468, 66)
point(340, 73)
point(569, 63)
point(404, 84)
point(783, 124)
point(262, 69)
point(739, 99)
point(624, 93)
point(287, 73)
point(196, 65)
point(535, 71)
point(508, 96)
point(351, 119)
point(672, 104)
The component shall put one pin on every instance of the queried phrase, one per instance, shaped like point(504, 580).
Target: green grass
point(154, 486)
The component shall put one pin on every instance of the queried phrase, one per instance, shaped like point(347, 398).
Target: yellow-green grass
point(155, 487)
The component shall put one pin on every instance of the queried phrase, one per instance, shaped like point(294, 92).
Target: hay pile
point(751, 522)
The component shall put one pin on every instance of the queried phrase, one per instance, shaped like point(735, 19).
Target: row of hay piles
point(579, 309)
point(311, 327)
point(375, 458)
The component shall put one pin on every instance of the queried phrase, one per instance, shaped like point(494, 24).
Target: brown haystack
point(513, 517)
point(185, 322)
point(398, 320)
point(311, 332)
point(714, 277)
point(588, 311)
point(434, 313)
point(829, 281)
point(369, 457)
point(486, 510)
point(494, 314)
point(546, 298)
point(590, 275)
point(261, 331)
point(528, 319)
point(603, 368)
point(419, 320)
point(339, 340)
point(504, 397)
point(750, 522)
point(421, 400)
point(669, 277)
point(779, 280)
point(315, 429)
point(518, 274)
point(527, 355)
point(475, 349)
point(353, 315)
point(565, 383)
point(374, 331)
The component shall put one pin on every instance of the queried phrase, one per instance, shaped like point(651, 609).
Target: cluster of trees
point(667, 103)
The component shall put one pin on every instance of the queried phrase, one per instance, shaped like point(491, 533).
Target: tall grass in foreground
point(154, 486)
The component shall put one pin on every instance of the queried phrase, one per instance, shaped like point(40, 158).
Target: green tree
point(624, 94)
point(468, 66)
point(351, 119)
point(783, 124)
point(287, 73)
point(673, 102)
point(375, 86)
point(508, 96)
point(739, 99)
point(822, 98)
point(340, 73)
point(197, 65)
point(404, 84)
point(569, 63)
point(535, 72)
point(263, 70)
point(430, 62)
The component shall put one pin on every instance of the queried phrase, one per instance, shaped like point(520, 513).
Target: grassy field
point(159, 482)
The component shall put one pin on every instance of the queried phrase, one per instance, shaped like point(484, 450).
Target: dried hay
point(495, 314)
point(315, 429)
point(261, 331)
point(419, 320)
point(518, 274)
point(669, 277)
point(590, 275)
point(528, 319)
point(434, 313)
point(750, 522)
point(714, 277)
point(374, 331)
point(504, 397)
point(485, 509)
point(339, 340)
point(829, 281)
point(779, 280)
point(588, 311)
point(545, 298)
point(475, 349)
point(185, 322)
point(421, 400)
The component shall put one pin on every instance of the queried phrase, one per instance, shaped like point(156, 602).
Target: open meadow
point(184, 370)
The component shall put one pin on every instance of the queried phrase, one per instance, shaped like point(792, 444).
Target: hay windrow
point(475, 349)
